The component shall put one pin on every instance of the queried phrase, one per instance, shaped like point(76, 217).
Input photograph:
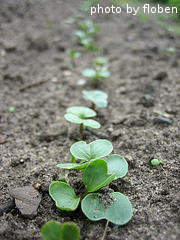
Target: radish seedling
point(96, 74)
point(96, 173)
point(53, 230)
point(97, 98)
point(73, 55)
point(101, 61)
point(78, 115)
point(88, 27)
point(156, 162)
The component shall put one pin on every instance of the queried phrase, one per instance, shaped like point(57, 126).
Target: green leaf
point(73, 118)
point(81, 112)
point(96, 176)
point(89, 73)
point(118, 212)
point(103, 73)
point(94, 150)
point(73, 53)
point(100, 61)
point(80, 34)
point(91, 123)
point(69, 231)
point(72, 165)
point(64, 196)
point(51, 231)
point(87, 41)
point(93, 207)
point(117, 165)
point(99, 98)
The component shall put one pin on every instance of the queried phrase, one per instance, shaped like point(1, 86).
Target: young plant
point(86, 33)
point(73, 55)
point(53, 230)
point(97, 98)
point(88, 27)
point(101, 61)
point(95, 74)
point(96, 174)
point(156, 162)
point(78, 115)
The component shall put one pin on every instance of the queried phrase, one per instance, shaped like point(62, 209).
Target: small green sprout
point(11, 109)
point(73, 55)
point(78, 115)
point(86, 33)
point(96, 74)
point(96, 174)
point(88, 27)
point(97, 98)
point(171, 50)
point(156, 162)
point(101, 61)
point(53, 230)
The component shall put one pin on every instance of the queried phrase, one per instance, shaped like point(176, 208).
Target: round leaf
point(93, 207)
point(91, 123)
point(117, 165)
point(73, 118)
point(89, 73)
point(96, 176)
point(100, 148)
point(96, 149)
point(81, 112)
point(64, 196)
point(120, 212)
point(99, 98)
point(72, 165)
point(103, 73)
point(69, 231)
point(100, 61)
point(51, 231)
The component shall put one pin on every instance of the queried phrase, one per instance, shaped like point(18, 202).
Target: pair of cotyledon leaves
point(78, 115)
point(99, 98)
point(53, 230)
point(99, 73)
point(97, 173)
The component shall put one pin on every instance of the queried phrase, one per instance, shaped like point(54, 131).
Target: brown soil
point(144, 83)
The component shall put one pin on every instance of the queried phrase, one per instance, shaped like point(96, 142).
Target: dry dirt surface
point(141, 119)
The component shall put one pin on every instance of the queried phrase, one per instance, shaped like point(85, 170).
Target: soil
point(143, 99)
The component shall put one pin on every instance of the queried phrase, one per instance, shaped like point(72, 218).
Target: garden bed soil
point(143, 88)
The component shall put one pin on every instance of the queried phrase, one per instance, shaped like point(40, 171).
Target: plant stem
point(81, 130)
point(105, 230)
point(92, 106)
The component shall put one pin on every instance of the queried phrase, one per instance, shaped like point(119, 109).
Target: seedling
point(96, 173)
point(156, 162)
point(101, 61)
point(11, 109)
point(97, 98)
point(96, 74)
point(78, 115)
point(53, 230)
point(171, 50)
point(86, 33)
point(88, 27)
point(73, 55)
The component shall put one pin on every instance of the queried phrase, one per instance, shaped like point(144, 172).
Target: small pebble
point(27, 200)
point(160, 76)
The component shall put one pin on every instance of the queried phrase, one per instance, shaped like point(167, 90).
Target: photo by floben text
point(146, 8)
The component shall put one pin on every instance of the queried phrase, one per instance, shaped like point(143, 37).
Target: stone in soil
point(27, 200)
